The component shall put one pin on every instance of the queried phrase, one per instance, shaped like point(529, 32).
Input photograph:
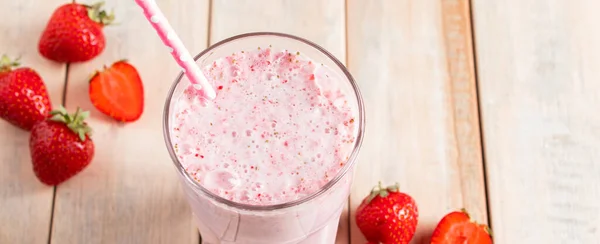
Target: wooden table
point(488, 105)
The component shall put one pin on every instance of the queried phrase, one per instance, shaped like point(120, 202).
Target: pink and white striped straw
point(173, 42)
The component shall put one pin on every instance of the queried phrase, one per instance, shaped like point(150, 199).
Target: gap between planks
point(457, 25)
point(402, 24)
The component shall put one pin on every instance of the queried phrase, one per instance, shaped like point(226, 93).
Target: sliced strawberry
point(457, 227)
point(118, 92)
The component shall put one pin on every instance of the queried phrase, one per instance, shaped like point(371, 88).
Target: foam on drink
point(276, 132)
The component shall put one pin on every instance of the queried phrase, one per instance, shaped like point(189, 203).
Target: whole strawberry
point(74, 33)
point(457, 227)
point(61, 146)
point(23, 95)
point(387, 216)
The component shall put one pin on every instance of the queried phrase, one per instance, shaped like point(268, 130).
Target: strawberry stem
point(485, 227)
point(97, 14)
point(75, 122)
point(381, 191)
point(488, 230)
point(464, 210)
point(6, 64)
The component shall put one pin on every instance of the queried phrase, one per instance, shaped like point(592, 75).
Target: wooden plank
point(130, 193)
point(414, 63)
point(456, 24)
point(540, 93)
point(25, 203)
point(319, 21)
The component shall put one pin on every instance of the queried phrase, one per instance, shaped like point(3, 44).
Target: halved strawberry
point(118, 92)
point(457, 227)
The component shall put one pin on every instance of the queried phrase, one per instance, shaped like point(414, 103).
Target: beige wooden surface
point(415, 63)
point(540, 93)
point(130, 193)
point(25, 203)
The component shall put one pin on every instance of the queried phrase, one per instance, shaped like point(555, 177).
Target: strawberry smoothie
point(267, 161)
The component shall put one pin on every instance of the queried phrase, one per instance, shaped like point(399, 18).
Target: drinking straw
point(176, 47)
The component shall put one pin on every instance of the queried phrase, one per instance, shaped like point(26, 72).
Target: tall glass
point(312, 219)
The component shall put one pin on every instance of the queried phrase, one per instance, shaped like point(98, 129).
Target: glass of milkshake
point(271, 158)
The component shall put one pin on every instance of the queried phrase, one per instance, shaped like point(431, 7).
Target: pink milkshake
point(270, 159)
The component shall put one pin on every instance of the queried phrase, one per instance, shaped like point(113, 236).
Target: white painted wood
point(540, 93)
point(130, 193)
point(413, 61)
point(25, 203)
point(319, 21)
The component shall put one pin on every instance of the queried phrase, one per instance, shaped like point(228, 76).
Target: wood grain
point(130, 193)
point(540, 93)
point(319, 21)
point(456, 24)
point(414, 63)
point(25, 203)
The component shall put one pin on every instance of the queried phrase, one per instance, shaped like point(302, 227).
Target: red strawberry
point(457, 227)
point(74, 33)
point(23, 96)
point(118, 92)
point(61, 147)
point(387, 216)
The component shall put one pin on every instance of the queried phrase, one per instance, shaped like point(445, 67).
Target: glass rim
point(248, 207)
